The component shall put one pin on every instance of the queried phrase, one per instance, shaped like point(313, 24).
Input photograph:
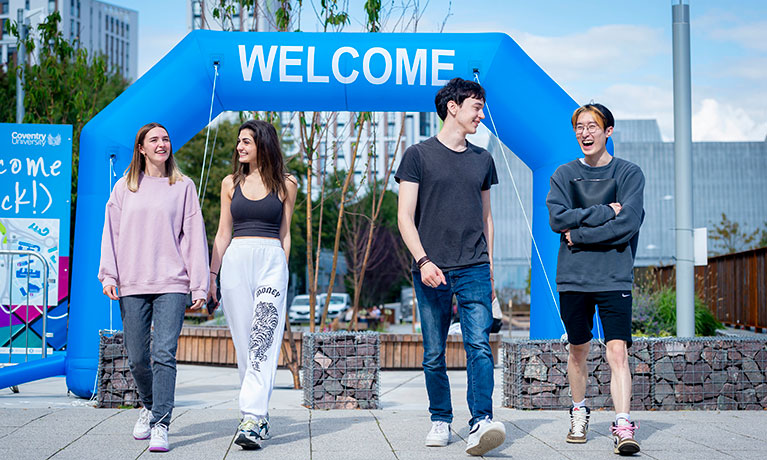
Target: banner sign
point(35, 203)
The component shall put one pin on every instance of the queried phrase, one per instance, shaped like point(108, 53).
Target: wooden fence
point(213, 346)
point(734, 286)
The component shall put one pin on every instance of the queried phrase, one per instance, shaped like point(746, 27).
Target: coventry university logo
point(54, 141)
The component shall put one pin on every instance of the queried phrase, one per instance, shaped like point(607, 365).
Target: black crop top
point(256, 217)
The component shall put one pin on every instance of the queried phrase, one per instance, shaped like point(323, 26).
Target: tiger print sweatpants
point(254, 282)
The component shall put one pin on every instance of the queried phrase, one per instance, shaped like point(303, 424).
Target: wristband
point(422, 261)
point(214, 273)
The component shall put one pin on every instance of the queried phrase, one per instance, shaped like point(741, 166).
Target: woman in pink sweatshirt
point(153, 255)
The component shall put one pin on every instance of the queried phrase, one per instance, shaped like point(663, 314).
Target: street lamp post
point(663, 229)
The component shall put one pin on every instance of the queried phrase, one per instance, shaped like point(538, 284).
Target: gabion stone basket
point(116, 387)
point(667, 374)
point(341, 370)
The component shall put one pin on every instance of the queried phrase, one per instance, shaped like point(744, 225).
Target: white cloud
point(754, 68)
point(753, 35)
point(612, 49)
point(715, 121)
point(630, 102)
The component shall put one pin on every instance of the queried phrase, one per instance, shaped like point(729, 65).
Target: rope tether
point(527, 220)
point(207, 133)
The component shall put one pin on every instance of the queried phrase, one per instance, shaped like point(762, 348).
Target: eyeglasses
point(592, 128)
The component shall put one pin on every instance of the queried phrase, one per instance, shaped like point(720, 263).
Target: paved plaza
point(42, 422)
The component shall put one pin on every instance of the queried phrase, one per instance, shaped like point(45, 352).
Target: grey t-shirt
point(448, 215)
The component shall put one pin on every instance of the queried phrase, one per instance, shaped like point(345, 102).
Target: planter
point(667, 374)
point(341, 370)
point(115, 387)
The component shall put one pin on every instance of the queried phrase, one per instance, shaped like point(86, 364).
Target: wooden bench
point(213, 345)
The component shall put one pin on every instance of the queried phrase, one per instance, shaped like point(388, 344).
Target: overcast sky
point(618, 53)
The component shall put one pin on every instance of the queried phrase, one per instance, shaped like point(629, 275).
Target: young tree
point(62, 85)
point(729, 237)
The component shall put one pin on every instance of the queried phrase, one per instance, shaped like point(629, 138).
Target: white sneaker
point(141, 430)
point(159, 441)
point(485, 436)
point(439, 435)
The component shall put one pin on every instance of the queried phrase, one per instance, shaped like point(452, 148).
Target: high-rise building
point(97, 26)
point(258, 19)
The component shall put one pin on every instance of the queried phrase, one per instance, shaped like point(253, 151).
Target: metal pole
point(20, 60)
point(685, 275)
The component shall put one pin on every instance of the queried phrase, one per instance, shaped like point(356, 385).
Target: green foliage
point(654, 314)
point(373, 15)
point(728, 236)
point(64, 85)
point(219, 157)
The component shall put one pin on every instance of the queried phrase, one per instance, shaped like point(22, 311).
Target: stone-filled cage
point(341, 370)
point(713, 373)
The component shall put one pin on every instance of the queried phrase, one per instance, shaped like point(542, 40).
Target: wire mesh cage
point(115, 384)
point(341, 370)
point(667, 374)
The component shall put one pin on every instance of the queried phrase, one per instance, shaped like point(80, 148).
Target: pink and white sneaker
point(623, 438)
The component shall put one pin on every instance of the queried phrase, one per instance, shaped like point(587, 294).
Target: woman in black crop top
point(257, 202)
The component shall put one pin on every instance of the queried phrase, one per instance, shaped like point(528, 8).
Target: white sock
point(579, 405)
point(622, 418)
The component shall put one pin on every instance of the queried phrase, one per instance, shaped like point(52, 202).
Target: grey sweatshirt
point(604, 245)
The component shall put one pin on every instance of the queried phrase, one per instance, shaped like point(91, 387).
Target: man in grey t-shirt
point(445, 220)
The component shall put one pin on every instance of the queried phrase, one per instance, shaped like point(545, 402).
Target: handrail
point(19, 252)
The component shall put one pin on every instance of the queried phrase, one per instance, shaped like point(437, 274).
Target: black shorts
point(577, 310)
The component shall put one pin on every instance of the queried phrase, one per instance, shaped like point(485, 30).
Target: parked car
point(299, 310)
point(339, 304)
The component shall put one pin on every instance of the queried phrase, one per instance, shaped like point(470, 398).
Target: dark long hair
point(269, 159)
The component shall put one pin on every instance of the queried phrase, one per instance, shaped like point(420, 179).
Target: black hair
point(606, 114)
point(457, 90)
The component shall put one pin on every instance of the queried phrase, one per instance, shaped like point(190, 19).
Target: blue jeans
point(472, 288)
point(156, 377)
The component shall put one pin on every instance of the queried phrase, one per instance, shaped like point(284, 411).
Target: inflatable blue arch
point(314, 72)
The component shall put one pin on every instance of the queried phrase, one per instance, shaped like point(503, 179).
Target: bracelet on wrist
point(214, 273)
point(422, 261)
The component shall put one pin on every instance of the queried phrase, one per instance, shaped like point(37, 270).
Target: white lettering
point(337, 57)
point(34, 166)
point(264, 65)
point(1, 164)
point(310, 76)
point(54, 167)
point(403, 63)
point(436, 66)
point(50, 198)
point(5, 205)
point(20, 197)
point(15, 165)
point(366, 66)
point(285, 62)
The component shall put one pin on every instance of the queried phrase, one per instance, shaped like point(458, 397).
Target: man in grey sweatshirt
point(596, 205)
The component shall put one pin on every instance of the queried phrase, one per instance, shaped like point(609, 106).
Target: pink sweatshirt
point(154, 239)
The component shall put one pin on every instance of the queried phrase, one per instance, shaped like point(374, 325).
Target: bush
point(654, 314)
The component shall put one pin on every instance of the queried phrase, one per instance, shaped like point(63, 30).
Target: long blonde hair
point(138, 162)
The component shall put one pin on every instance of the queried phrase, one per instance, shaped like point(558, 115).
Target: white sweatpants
point(254, 282)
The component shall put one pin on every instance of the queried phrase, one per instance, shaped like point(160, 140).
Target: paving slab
point(206, 417)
